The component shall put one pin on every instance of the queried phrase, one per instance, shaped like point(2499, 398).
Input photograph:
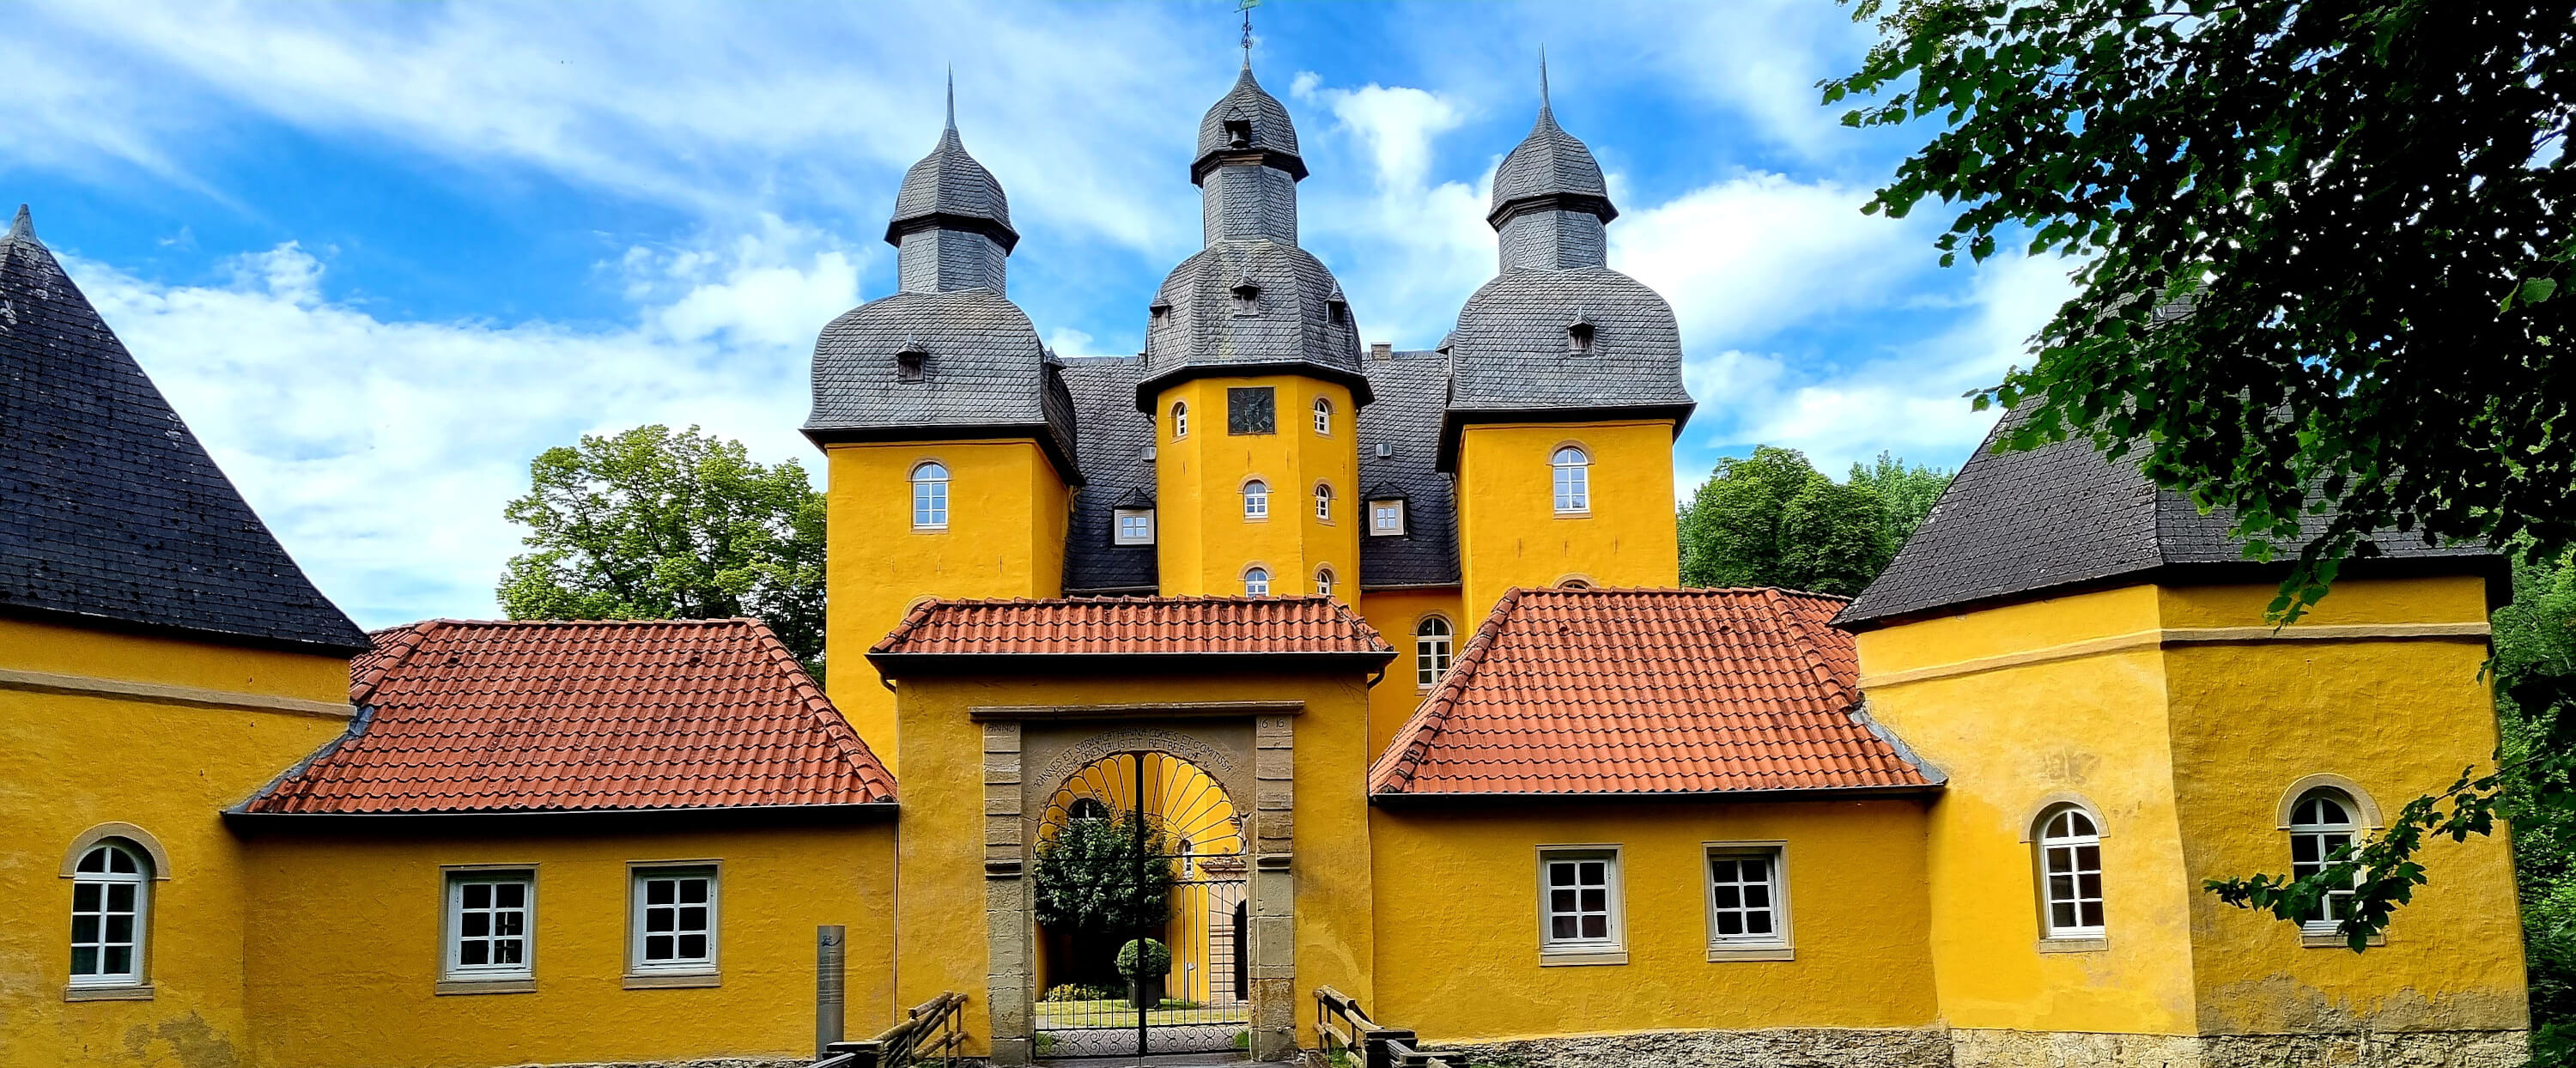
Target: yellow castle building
point(1386, 648)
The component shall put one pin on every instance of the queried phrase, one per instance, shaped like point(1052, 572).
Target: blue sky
point(381, 255)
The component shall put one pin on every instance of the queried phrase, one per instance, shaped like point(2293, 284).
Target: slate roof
point(110, 509)
point(1116, 453)
point(948, 186)
point(2062, 517)
point(1303, 320)
point(1512, 352)
point(468, 716)
point(1550, 165)
point(1133, 626)
point(1640, 692)
point(1271, 130)
point(984, 369)
point(1411, 389)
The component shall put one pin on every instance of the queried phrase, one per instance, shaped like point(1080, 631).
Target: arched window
point(1324, 502)
point(930, 497)
point(1180, 420)
point(1573, 480)
point(1087, 808)
point(2070, 872)
point(1324, 416)
point(1574, 582)
point(1256, 582)
point(1256, 499)
point(1430, 650)
point(2323, 823)
point(111, 890)
point(1323, 582)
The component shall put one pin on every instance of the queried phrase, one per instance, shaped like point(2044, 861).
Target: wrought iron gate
point(1204, 1002)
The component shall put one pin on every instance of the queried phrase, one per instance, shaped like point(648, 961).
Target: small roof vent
point(911, 362)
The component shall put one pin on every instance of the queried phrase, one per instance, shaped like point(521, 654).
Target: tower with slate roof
point(1253, 377)
point(946, 426)
point(1563, 367)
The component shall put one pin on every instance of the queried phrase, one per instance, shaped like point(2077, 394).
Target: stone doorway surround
point(1249, 747)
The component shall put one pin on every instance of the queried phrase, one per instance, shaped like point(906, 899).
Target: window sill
point(487, 986)
point(2074, 945)
point(672, 980)
point(1580, 958)
point(930, 530)
point(2332, 940)
point(1722, 954)
point(1574, 515)
point(136, 992)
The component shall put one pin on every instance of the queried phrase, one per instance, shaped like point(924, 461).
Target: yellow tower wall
point(81, 745)
point(1458, 930)
point(1204, 543)
point(1395, 614)
point(344, 954)
point(1510, 534)
point(1007, 513)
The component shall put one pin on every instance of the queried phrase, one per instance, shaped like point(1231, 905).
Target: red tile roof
point(468, 716)
point(1611, 691)
point(1133, 626)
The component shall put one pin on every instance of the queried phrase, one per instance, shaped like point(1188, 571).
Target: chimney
point(1380, 350)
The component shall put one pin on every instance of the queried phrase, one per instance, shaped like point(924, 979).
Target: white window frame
point(1381, 509)
point(1323, 502)
point(1612, 946)
point(1324, 417)
point(2062, 855)
point(452, 912)
point(1118, 518)
point(1180, 420)
point(641, 915)
point(1745, 944)
point(1571, 482)
point(103, 910)
point(929, 496)
point(1433, 653)
point(1256, 581)
point(1323, 582)
point(2324, 839)
point(1256, 500)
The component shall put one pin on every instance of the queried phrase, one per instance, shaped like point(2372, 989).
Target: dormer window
point(1578, 336)
point(1238, 133)
point(1339, 311)
point(1135, 526)
point(1386, 517)
point(1247, 298)
point(1159, 312)
point(911, 362)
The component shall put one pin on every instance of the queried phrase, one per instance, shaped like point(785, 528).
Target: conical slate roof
point(1271, 133)
point(1550, 164)
point(110, 510)
point(949, 189)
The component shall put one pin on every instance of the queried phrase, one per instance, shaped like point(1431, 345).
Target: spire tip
point(952, 98)
point(1543, 103)
point(24, 225)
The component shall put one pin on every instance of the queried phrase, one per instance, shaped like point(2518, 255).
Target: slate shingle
point(1411, 388)
point(110, 508)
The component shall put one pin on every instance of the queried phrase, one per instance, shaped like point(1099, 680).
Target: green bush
point(1078, 992)
point(1157, 959)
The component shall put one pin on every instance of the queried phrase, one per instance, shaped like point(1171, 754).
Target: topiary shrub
point(1153, 960)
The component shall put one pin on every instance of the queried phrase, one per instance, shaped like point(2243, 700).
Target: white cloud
point(1422, 247)
point(1745, 257)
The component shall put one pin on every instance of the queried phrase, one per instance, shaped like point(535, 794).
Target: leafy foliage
point(1104, 877)
point(1773, 520)
point(2325, 257)
point(649, 524)
point(1144, 957)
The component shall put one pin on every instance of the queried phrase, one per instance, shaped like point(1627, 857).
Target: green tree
point(649, 524)
point(2535, 652)
point(1102, 881)
point(2323, 269)
point(1905, 494)
point(1773, 520)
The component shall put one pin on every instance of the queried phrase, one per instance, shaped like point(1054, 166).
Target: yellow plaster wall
point(69, 762)
point(1007, 512)
point(1458, 932)
point(1510, 535)
point(2398, 717)
point(2092, 727)
point(1204, 543)
point(941, 899)
point(1395, 613)
point(344, 950)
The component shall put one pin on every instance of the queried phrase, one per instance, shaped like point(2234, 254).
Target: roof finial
point(952, 98)
point(1543, 104)
point(1246, 7)
point(24, 225)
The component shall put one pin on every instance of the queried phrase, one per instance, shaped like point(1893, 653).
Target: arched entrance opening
point(1139, 850)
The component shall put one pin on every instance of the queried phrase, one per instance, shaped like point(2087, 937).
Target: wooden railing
point(1342, 1028)
point(931, 1033)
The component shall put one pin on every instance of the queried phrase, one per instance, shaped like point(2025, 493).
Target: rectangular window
point(1135, 526)
point(674, 920)
point(1386, 518)
point(1748, 901)
point(490, 925)
point(1579, 906)
point(1251, 410)
point(107, 925)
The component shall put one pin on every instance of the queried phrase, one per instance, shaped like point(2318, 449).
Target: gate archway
point(1191, 852)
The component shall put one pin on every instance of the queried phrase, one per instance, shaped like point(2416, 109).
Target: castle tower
point(1566, 391)
point(947, 431)
point(1253, 377)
